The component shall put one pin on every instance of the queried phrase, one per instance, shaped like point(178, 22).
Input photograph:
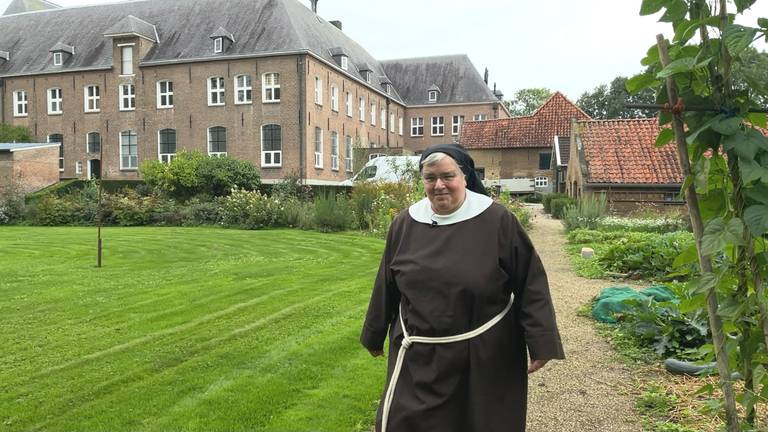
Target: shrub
point(130, 209)
point(586, 213)
point(533, 198)
point(291, 187)
point(657, 225)
point(53, 210)
point(12, 206)
point(645, 255)
point(10, 133)
point(546, 200)
point(250, 210)
point(201, 212)
point(558, 206)
point(333, 213)
point(584, 236)
point(297, 214)
point(521, 212)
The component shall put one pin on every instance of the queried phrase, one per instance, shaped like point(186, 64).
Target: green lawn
point(185, 329)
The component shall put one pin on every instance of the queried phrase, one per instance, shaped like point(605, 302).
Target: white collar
point(473, 205)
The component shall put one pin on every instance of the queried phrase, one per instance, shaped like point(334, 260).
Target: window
point(58, 59)
point(373, 114)
point(243, 90)
point(217, 141)
point(400, 124)
point(344, 63)
point(362, 109)
point(271, 87)
point(93, 142)
point(480, 117)
point(349, 104)
point(218, 45)
point(391, 122)
point(432, 95)
point(20, 103)
point(383, 118)
point(318, 147)
point(348, 153)
point(456, 124)
point(544, 161)
point(335, 98)
point(127, 60)
point(165, 94)
point(437, 126)
point(367, 76)
point(58, 138)
point(166, 145)
point(334, 151)
point(271, 145)
point(417, 126)
point(318, 91)
point(129, 150)
point(92, 98)
point(540, 182)
point(127, 97)
point(54, 101)
point(215, 91)
point(78, 167)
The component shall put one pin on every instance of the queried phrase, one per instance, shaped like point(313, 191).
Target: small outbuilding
point(28, 167)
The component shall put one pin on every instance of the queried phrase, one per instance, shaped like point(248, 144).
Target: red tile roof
point(624, 152)
point(536, 130)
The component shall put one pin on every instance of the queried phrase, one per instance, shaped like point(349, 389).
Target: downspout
point(300, 71)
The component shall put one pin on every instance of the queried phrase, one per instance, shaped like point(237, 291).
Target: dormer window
point(222, 40)
point(433, 95)
point(218, 45)
point(368, 75)
point(345, 62)
point(365, 71)
point(341, 57)
point(58, 59)
point(4, 56)
point(433, 92)
point(388, 88)
point(59, 51)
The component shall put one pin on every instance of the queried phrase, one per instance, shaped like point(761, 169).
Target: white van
point(390, 169)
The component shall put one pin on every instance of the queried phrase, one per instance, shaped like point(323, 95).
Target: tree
point(608, 101)
point(526, 101)
point(11, 134)
point(751, 74)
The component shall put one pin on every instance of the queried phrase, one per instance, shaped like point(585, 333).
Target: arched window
point(217, 141)
point(271, 145)
point(93, 140)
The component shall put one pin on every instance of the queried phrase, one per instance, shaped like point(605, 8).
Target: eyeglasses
point(445, 178)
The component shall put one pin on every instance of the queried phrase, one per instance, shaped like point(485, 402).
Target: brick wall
point(30, 170)
point(417, 144)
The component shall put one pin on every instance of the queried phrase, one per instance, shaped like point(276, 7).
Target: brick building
point(28, 167)
point(516, 153)
point(264, 80)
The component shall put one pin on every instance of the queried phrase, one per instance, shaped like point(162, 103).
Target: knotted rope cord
point(409, 340)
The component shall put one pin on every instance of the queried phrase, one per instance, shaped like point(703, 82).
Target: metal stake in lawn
point(715, 323)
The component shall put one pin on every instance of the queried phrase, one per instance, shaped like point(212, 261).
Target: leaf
point(686, 64)
point(730, 308)
point(737, 38)
point(640, 82)
point(685, 30)
point(691, 138)
point(751, 171)
point(718, 234)
point(703, 284)
point(665, 137)
point(741, 5)
point(688, 256)
point(650, 7)
point(763, 23)
point(756, 218)
point(758, 192)
point(727, 125)
point(651, 56)
point(758, 119)
point(746, 143)
point(676, 11)
point(701, 175)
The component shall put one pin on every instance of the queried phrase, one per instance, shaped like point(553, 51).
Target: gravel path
point(589, 391)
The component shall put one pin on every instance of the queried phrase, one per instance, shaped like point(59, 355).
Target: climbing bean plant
point(719, 130)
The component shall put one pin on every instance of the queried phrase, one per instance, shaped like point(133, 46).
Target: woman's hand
point(376, 353)
point(536, 365)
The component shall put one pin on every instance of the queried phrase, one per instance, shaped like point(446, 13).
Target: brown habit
point(452, 279)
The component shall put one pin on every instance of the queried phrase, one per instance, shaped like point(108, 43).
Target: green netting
point(611, 300)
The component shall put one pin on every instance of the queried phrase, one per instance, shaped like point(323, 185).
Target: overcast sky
point(566, 45)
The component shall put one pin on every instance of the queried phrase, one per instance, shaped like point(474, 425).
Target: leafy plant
point(332, 213)
point(559, 205)
point(645, 255)
point(586, 213)
point(546, 200)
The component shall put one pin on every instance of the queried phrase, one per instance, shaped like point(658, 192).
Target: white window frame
point(244, 90)
point(61, 150)
point(383, 118)
point(218, 90)
point(438, 126)
point(319, 91)
point(271, 153)
point(368, 76)
point(335, 98)
point(127, 101)
point(58, 58)
point(208, 138)
point(126, 61)
point(361, 109)
point(133, 160)
point(344, 62)
point(334, 151)
point(91, 99)
point(55, 105)
point(541, 182)
point(416, 123)
point(88, 149)
point(392, 122)
point(167, 94)
point(456, 122)
point(432, 95)
point(480, 117)
point(273, 85)
point(373, 114)
point(318, 146)
point(218, 45)
point(20, 103)
point(400, 121)
point(348, 160)
point(349, 104)
point(78, 167)
point(166, 158)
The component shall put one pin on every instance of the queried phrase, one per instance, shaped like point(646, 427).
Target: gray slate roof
point(260, 27)
point(132, 25)
point(62, 47)
point(454, 75)
point(19, 6)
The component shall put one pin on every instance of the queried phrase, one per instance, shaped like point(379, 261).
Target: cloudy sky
point(566, 45)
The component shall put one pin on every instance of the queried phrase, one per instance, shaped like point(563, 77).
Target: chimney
point(485, 76)
point(337, 24)
point(314, 5)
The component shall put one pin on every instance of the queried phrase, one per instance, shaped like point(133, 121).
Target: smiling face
point(445, 185)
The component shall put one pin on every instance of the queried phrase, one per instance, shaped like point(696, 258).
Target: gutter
point(635, 185)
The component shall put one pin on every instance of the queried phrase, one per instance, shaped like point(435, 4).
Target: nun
point(464, 299)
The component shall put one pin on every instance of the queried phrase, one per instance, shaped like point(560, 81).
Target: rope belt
point(409, 340)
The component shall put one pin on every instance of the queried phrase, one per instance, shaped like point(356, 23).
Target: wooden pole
point(715, 323)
